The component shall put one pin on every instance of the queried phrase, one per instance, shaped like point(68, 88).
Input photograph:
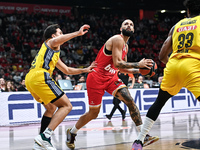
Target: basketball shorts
point(42, 87)
point(184, 72)
point(97, 85)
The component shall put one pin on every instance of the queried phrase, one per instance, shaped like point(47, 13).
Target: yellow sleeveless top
point(186, 38)
point(46, 59)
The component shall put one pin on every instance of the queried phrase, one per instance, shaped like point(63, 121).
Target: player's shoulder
point(116, 38)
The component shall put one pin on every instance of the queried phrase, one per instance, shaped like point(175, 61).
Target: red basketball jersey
point(105, 66)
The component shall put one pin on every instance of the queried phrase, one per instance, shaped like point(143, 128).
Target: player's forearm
point(74, 71)
point(64, 38)
point(126, 65)
point(129, 71)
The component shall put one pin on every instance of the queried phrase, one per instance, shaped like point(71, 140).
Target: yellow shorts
point(184, 72)
point(42, 87)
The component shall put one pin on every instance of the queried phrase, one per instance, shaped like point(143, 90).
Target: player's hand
point(146, 63)
point(130, 87)
point(90, 68)
point(84, 29)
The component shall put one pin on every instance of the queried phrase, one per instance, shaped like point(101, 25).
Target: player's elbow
point(163, 59)
point(118, 64)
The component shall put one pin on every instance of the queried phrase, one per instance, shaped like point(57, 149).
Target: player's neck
point(126, 38)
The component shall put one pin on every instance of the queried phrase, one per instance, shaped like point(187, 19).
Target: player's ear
point(121, 29)
point(53, 35)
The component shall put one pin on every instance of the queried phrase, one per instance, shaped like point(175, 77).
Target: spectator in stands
point(81, 84)
point(157, 84)
point(141, 83)
point(58, 77)
point(9, 87)
point(17, 77)
point(2, 84)
point(148, 32)
point(22, 86)
point(81, 79)
point(67, 77)
point(148, 81)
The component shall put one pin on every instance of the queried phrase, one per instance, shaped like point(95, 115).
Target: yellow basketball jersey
point(186, 38)
point(46, 59)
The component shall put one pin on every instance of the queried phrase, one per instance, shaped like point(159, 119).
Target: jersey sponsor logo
point(188, 22)
point(110, 69)
point(187, 28)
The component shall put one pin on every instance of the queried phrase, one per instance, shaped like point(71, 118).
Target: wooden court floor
point(177, 131)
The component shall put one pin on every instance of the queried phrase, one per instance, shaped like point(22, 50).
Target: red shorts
point(97, 85)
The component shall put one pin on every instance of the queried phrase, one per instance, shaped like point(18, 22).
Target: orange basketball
point(149, 72)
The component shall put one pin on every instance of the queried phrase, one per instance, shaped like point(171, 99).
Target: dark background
point(129, 8)
point(114, 4)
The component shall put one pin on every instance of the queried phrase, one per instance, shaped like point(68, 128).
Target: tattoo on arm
point(135, 71)
point(128, 65)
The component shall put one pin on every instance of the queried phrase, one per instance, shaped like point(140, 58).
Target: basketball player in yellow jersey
point(182, 68)
point(44, 89)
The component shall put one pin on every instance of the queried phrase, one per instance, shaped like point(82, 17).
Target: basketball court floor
point(177, 131)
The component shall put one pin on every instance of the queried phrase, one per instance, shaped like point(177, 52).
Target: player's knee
point(94, 116)
point(129, 103)
point(69, 107)
point(128, 100)
point(51, 109)
point(94, 113)
point(124, 95)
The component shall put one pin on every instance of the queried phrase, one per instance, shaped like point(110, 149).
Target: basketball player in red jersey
point(111, 57)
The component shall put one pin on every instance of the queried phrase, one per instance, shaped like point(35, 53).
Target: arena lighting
point(105, 7)
point(183, 11)
point(163, 11)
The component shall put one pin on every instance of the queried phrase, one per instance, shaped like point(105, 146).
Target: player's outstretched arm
point(55, 42)
point(72, 71)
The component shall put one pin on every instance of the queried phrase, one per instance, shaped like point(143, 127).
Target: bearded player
point(111, 57)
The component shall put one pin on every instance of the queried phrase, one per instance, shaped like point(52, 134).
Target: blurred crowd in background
point(21, 35)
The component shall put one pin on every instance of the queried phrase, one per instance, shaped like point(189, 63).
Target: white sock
point(139, 128)
point(48, 132)
point(148, 123)
point(74, 130)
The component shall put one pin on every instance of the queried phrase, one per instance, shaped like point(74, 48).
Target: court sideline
point(177, 131)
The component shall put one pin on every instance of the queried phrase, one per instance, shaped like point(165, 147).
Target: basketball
point(149, 72)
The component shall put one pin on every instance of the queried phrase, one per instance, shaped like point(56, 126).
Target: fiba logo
point(36, 9)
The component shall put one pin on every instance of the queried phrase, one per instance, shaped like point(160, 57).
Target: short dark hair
point(193, 6)
point(51, 29)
